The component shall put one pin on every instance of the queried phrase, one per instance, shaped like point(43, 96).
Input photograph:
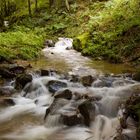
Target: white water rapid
point(25, 119)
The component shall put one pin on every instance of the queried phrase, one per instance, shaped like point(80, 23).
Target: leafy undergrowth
point(21, 43)
point(114, 31)
point(109, 29)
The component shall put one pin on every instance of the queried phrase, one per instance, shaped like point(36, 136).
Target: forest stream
point(84, 104)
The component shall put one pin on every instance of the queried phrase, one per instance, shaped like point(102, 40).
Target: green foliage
point(115, 30)
point(21, 43)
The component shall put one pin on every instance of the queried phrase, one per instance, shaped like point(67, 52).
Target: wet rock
point(123, 122)
point(22, 80)
point(16, 69)
point(72, 118)
point(6, 91)
point(55, 85)
point(45, 72)
point(66, 94)
point(49, 43)
point(5, 73)
point(74, 78)
point(7, 102)
point(87, 109)
point(136, 76)
point(87, 80)
point(57, 104)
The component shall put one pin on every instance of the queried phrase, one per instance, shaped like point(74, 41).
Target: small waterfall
point(25, 119)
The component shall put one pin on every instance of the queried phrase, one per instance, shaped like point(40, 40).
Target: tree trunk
point(51, 3)
point(36, 5)
point(29, 8)
point(59, 4)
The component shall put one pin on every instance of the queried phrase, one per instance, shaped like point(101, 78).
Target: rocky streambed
point(81, 104)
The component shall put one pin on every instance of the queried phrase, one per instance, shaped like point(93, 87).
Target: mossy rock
point(81, 41)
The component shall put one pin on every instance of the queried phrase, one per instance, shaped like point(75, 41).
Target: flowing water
point(25, 119)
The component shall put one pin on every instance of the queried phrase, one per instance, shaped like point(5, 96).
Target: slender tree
point(36, 5)
point(29, 8)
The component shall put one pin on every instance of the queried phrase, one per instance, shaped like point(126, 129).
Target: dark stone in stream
point(66, 94)
point(7, 91)
point(5, 73)
point(22, 80)
point(74, 78)
point(45, 72)
point(16, 69)
point(6, 102)
point(87, 109)
point(55, 85)
point(87, 80)
point(72, 118)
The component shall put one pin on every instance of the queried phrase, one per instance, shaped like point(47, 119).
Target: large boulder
point(66, 94)
point(22, 80)
point(87, 80)
point(87, 110)
point(55, 85)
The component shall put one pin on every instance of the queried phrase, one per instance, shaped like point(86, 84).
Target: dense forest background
point(103, 29)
